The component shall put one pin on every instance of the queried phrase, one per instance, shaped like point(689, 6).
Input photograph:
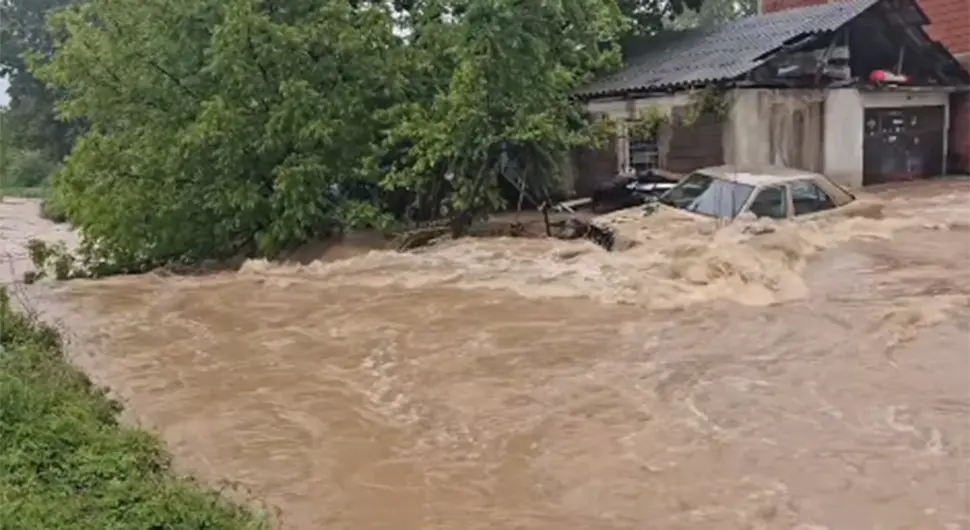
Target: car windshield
point(706, 195)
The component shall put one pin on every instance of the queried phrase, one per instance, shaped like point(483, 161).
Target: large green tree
point(714, 12)
point(220, 127)
point(502, 110)
point(217, 126)
point(649, 16)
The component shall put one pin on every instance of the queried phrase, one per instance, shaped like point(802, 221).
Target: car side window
point(771, 202)
point(807, 197)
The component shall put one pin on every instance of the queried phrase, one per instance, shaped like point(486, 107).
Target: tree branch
point(259, 65)
point(176, 80)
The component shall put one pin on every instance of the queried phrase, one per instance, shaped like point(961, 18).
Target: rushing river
point(814, 377)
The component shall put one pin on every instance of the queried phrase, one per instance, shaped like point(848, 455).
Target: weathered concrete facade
point(950, 25)
point(857, 89)
point(776, 127)
point(812, 129)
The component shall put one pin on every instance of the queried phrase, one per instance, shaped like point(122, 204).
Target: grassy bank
point(67, 463)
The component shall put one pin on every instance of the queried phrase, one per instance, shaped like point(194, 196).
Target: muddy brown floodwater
point(816, 377)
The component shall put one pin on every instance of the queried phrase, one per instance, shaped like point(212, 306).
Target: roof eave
point(654, 90)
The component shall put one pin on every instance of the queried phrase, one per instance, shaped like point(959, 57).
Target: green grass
point(66, 462)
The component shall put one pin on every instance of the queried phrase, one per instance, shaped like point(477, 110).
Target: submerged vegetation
point(68, 464)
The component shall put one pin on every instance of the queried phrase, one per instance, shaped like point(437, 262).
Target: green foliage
point(713, 12)
point(52, 207)
point(649, 16)
point(251, 126)
point(67, 463)
point(25, 169)
point(648, 122)
point(501, 109)
point(706, 101)
point(31, 121)
point(250, 118)
point(21, 168)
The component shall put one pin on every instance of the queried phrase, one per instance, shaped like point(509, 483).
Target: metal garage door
point(902, 144)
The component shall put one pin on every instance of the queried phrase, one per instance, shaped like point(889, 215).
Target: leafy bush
point(67, 463)
point(25, 169)
point(52, 207)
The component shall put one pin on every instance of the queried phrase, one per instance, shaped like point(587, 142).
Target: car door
point(773, 202)
point(809, 200)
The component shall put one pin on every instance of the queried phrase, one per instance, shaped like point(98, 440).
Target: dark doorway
point(902, 144)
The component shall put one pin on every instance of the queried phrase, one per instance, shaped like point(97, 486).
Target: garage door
point(902, 144)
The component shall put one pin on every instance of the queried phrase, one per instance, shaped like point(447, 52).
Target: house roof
point(706, 55)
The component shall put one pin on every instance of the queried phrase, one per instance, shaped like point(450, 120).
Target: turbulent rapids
point(756, 375)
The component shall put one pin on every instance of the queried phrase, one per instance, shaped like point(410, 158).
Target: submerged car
point(727, 192)
point(724, 193)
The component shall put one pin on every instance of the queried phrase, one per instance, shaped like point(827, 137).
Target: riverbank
point(66, 461)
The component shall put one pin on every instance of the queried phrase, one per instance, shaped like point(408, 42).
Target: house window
point(644, 155)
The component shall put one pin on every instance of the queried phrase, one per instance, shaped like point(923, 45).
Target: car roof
point(758, 175)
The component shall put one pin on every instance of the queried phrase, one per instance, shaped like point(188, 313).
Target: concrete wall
point(815, 130)
point(776, 127)
point(844, 113)
point(763, 127)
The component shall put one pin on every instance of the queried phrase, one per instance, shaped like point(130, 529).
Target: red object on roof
point(880, 77)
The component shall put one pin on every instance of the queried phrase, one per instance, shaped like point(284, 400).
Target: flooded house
point(858, 90)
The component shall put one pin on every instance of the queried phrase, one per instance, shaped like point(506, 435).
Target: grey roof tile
point(705, 55)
